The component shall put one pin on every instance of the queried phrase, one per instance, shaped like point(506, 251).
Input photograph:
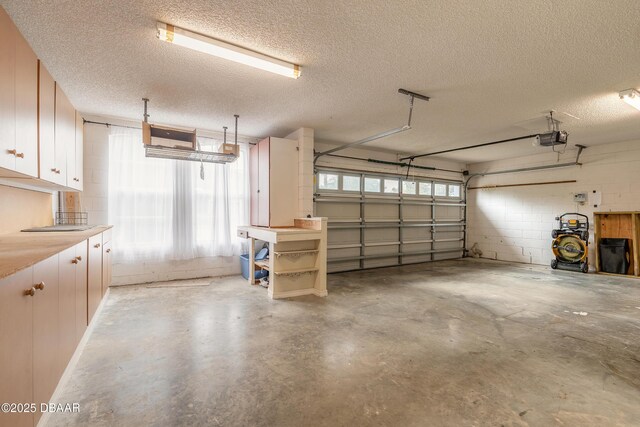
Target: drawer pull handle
point(39, 286)
point(97, 245)
point(79, 258)
point(74, 261)
point(108, 250)
point(21, 155)
point(30, 292)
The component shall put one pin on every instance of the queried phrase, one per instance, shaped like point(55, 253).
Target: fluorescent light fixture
point(631, 97)
point(182, 37)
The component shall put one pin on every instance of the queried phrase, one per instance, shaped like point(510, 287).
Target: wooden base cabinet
point(94, 276)
point(43, 315)
point(16, 352)
point(29, 351)
point(81, 289)
point(46, 331)
point(72, 300)
point(106, 266)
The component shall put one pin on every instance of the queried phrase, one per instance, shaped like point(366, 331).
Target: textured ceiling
point(492, 67)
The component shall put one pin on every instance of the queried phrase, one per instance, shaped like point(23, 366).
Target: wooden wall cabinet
point(46, 124)
point(18, 102)
point(75, 178)
point(74, 150)
point(65, 138)
point(274, 182)
point(40, 130)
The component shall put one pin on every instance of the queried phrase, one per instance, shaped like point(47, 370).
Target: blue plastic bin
point(244, 265)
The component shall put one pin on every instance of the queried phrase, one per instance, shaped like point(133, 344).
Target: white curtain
point(162, 210)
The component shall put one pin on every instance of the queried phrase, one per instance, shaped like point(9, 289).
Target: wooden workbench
point(297, 257)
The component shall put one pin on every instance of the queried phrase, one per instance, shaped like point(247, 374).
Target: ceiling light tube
point(185, 38)
point(631, 97)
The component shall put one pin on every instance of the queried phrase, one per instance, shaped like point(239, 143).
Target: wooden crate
point(619, 225)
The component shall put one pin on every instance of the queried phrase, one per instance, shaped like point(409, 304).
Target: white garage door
point(378, 220)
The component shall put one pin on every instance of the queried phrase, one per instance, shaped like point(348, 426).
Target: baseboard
point(66, 375)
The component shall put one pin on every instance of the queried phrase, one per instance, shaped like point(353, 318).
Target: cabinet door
point(94, 275)
point(26, 87)
point(263, 182)
point(78, 178)
point(65, 138)
point(46, 124)
point(46, 331)
point(7, 91)
point(283, 179)
point(106, 267)
point(67, 306)
point(254, 153)
point(81, 290)
point(16, 345)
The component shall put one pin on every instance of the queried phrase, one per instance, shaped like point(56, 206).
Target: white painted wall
point(515, 223)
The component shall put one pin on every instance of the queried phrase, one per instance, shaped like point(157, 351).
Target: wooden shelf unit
point(619, 225)
point(298, 261)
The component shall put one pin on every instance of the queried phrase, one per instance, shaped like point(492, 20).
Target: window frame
point(338, 182)
point(341, 180)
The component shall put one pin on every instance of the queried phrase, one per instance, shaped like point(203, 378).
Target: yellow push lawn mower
point(571, 243)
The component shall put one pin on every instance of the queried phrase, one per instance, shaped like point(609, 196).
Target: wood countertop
point(22, 250)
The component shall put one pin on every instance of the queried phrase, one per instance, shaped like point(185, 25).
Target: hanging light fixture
point(631, 97)
point(211, 46)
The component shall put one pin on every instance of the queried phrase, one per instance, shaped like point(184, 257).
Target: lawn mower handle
point(559, 218)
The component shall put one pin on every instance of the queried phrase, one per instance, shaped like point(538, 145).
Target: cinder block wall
point(515, 223)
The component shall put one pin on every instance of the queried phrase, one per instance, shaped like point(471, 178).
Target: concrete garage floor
point(462, 342)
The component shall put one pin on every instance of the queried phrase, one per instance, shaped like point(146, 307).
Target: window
point(440, 190)
point(424, 188)
point(409, 187)
point(454, 190)
point(372, 185)
point(162, 210)
point(327, 181)
point(391, 186)
point(350, 183)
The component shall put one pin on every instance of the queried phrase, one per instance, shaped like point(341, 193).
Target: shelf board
point(162, 152)
point(262, 264)
point(298, 253)
point(296, 272)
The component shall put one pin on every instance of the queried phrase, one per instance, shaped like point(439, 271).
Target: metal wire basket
point(72, 218)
